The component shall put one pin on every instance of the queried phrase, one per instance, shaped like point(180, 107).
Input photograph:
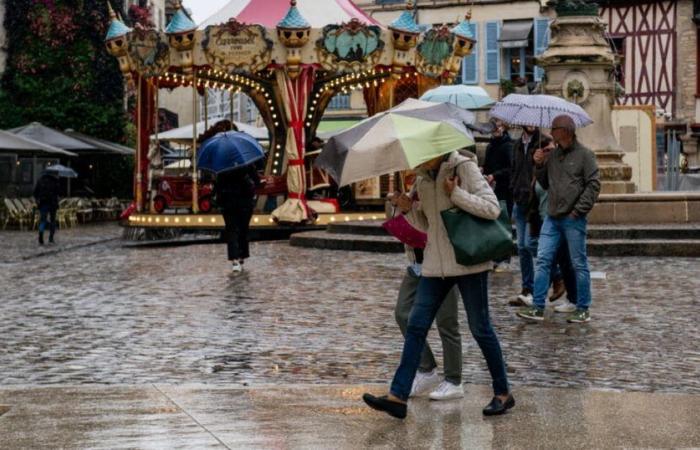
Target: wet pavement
point(333, 417)
point(107, 314)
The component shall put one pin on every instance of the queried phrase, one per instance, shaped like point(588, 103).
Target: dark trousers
point(47, 214)
point(237, 222)
point(431, 294)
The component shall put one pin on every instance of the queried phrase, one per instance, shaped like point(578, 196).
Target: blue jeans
point(47, 214)
point(574, 231)
point(527, 248)
point(431, 293)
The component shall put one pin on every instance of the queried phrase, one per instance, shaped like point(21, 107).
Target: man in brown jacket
point(570, 175)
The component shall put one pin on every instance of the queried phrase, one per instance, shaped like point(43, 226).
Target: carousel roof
point(464, 29)
point(181, 23)
point(116, 29)
point(270, 12)
point(293, 19)
point(406, 22)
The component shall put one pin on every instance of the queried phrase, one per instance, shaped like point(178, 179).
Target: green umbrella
point(399, 139)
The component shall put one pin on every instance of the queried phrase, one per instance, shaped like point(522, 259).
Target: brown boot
point(558, 289)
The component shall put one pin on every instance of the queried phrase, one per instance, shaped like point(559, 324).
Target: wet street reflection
point(107, 314)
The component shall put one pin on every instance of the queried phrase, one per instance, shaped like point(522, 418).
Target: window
point(518, 46)
point(340, 101)
point(493, 54)
point(470, 64)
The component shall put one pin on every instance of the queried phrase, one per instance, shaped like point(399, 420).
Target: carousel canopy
point(270, 12)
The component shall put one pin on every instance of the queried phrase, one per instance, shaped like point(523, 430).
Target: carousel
point(290, 59)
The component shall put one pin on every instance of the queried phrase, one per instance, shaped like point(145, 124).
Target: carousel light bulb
point(314, 102)
point(277, 155)
point(312, 108)
point(279, 146)
point(200, 220)
point(256, 220)
point(277, 123)
point(274, 116)
point(177, 220)
point(269, 102)
point(308, 124)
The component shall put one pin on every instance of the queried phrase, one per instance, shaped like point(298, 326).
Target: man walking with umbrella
point(46, 195)
point(570, 174)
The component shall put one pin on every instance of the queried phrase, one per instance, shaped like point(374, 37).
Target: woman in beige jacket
point(445, 182)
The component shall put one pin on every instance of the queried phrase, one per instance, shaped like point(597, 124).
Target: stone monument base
point(647, 209)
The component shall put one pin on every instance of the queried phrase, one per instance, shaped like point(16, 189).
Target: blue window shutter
point(493, 52)
point(470, 64)
point(541, 43)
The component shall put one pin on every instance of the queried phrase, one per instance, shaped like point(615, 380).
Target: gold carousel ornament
point(404, 36)
point(181, 36)
point(117, 43)
point(293, 32)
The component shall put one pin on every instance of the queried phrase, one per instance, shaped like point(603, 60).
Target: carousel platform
point(678, 240)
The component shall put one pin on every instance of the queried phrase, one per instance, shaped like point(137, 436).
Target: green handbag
point(476, 240)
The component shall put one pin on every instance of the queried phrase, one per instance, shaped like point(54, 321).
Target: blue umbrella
point(61, 171)
point(228, 151)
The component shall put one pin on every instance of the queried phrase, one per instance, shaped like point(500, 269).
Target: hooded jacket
point(473, 195)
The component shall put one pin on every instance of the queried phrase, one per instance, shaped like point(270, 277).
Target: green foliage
point(58, 71)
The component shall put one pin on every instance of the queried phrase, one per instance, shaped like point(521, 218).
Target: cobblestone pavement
point(107, 314)
point(20, 245)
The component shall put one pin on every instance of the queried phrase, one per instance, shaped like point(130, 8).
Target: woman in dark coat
point(235, 195)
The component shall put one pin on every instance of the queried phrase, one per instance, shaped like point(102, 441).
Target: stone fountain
point(579, 66)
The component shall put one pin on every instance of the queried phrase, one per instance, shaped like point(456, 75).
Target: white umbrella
point(538, 110)
point(467, 97)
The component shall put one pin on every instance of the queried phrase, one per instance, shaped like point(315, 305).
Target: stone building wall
point(686, 72)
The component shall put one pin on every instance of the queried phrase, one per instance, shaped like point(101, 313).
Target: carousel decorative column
point(579, 67)
point(181, 37)
point(463, 46)
point(404, 36)
point(295, 84)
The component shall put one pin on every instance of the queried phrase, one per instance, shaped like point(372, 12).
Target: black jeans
point(237, 222)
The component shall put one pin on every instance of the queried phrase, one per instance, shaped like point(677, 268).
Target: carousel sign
point(237, 45)
point(350, 44)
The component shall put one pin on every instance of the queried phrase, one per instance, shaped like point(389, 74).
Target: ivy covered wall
point(58, 71)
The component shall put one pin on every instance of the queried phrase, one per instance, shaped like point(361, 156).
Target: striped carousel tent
point(270, 12)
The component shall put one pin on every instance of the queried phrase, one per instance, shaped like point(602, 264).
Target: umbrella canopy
point(399, 139)
point(18, 144)
point(538, 110)
point(61, 171)
point(228, 151)
point(467, 97)
point(184, 134)
point(47, 135)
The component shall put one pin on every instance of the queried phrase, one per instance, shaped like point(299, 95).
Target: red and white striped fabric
point(269, 13)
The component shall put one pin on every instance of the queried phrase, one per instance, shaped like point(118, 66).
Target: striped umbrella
point(399, 139)
point(538, 110)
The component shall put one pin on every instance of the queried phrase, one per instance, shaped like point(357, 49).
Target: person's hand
point(574, 215)
point(540, 156)
point(490, 179)
point(393, 197)
point(450, 184)
point(404, 202)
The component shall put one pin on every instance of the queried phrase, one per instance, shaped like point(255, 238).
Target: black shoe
point(383, 403)
point(497, 407)
point(41, 239)
point(51, 241)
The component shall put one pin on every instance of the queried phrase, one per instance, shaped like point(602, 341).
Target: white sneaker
point(525, 299)
point(565, 307)
point(423, 383)
point(502, 267)
point(236, 267)
point(447, 391)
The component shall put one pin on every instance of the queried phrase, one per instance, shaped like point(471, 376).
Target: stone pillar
point(579, 67)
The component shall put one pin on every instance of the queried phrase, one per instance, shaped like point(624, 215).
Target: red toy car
point(176, 192)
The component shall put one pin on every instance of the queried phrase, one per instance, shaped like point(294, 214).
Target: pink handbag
point(402, 230)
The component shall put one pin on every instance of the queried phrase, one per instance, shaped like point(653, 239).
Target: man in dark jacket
point(46, 196)
point(570, 175)
point(497, 160)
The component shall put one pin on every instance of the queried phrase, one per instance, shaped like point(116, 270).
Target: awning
point(515, 33)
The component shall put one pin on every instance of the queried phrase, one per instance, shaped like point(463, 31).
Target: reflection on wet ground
point(106, 314)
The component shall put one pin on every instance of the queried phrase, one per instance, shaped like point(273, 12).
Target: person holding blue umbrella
point(231, 156)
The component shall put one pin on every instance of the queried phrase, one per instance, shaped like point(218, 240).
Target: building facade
point(657, 41)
